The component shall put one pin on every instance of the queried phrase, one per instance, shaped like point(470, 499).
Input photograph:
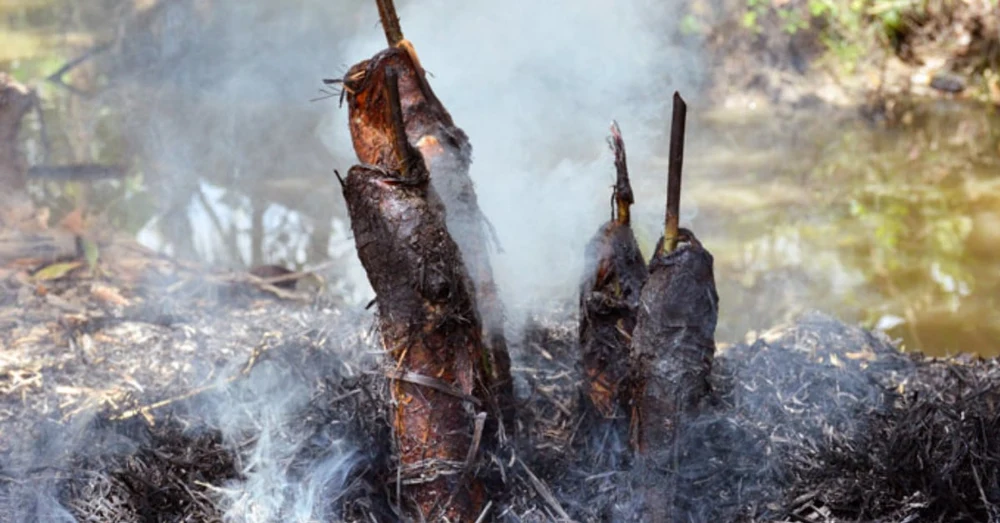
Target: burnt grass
point(812, 421)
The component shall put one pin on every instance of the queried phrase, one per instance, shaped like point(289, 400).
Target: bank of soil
point(868, 54)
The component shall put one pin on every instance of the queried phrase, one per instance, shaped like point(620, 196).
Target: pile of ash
point(814, 421)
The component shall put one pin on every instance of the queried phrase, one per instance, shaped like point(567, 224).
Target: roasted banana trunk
point(673, 346)
point(440, 386)
point(609, 296)
point(447, 153)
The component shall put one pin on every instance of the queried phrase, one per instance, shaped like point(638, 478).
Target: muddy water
point(893, 224)
point(896, 226)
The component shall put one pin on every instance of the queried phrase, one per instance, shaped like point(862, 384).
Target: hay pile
point(263, 409)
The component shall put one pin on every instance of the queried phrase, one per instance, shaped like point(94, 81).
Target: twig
point(544, 491)
point(670, 233)
point(390, 22)
point(486, 510)
point(147, 410)
point(56, 77)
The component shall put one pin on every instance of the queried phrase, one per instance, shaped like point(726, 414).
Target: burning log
point(446, 150)
point(427, 321)
point(609, 297)
point(674, 342)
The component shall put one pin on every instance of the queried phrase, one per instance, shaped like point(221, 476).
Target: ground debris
point(810, 421)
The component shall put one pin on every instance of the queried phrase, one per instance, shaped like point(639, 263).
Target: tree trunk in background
point(15, 102)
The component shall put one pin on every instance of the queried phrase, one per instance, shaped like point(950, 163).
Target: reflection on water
point(897, 227)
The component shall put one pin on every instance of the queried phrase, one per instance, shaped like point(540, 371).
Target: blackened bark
point(609, 296)
point(447, 153)
point(672, 353)
point(428, 325)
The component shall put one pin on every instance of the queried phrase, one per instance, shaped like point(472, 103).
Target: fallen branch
point(76, 172)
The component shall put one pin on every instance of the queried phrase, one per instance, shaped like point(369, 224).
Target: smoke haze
point(535, 86)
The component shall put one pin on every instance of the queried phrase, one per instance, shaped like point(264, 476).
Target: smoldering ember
point(139, 387)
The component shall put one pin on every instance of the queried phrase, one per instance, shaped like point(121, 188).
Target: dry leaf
point(56, 271)
point(861, 355)
point(109, 295)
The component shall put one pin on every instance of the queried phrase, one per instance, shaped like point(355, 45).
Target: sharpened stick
point(390, 22)
point(670, 232)
point(623, 189)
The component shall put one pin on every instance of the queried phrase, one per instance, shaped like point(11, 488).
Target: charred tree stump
point(446, 150)
point(609, 296)
point(674, 341)
point(427, 323)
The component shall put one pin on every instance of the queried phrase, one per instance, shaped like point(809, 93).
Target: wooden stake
point(670, 232)
point(390, 22)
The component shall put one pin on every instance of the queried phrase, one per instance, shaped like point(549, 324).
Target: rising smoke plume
point(535, 86)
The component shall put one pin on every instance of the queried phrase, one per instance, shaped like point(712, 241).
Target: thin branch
point(390, 22)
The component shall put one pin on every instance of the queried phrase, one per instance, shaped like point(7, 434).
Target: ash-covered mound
point(290, 429)
point(817, 421)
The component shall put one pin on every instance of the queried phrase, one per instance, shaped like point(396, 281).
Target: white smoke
point(267, 405)
point(535, 85)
